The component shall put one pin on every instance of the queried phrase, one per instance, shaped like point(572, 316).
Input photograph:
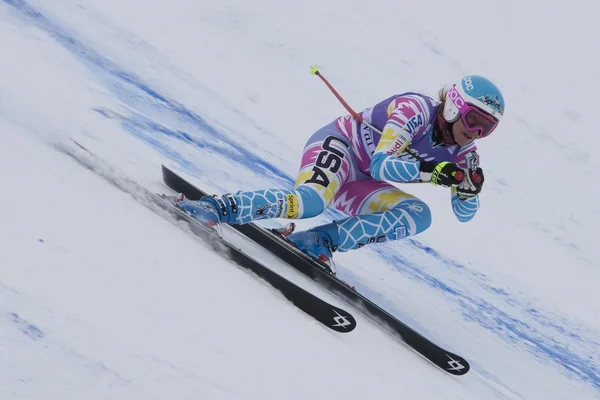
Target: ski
point(446, 360)
point(327, 314)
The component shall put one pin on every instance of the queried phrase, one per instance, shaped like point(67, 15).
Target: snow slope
point(101, 298)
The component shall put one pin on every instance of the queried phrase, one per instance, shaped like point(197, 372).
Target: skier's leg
point(327, 164)
point(380, 212)
point(383, 213)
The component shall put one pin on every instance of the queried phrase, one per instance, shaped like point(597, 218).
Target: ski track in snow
point(512, 317)
point(95, 377)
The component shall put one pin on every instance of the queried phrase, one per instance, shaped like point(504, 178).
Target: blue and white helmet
point(479, 92)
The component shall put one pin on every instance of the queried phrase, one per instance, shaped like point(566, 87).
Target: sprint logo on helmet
point(493, 102)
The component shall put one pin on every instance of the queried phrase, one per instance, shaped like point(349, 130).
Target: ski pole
point(459, 176)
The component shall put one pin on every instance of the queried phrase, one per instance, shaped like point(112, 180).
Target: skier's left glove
point(471, 185)
point(443, 173)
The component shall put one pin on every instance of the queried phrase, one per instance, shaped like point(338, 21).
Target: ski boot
point(204, 210)
point(319, 243)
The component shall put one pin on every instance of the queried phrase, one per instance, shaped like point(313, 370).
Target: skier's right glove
point(471, 185)
point(444, 173)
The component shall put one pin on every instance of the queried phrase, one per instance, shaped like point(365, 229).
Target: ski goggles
point(475, 120)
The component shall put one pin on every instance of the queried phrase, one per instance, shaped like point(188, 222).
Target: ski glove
point(444, 173)
point(471, 184)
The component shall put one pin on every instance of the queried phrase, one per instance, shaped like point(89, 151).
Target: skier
point(347, 164)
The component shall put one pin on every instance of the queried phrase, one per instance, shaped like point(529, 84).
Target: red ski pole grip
point(476, 178)
point(458, 175)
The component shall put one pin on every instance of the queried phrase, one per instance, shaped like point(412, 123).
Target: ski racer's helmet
point(477, 101)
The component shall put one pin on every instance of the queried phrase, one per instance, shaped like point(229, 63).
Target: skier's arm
point(464, 209)
point(465, 197)
point(407, 116)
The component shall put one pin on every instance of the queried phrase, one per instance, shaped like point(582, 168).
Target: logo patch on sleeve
point(292, 206)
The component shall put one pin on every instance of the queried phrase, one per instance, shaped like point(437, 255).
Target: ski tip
point(456, 365)
point(342, 321)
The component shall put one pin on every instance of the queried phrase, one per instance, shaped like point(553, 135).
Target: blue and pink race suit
point(348, 166)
